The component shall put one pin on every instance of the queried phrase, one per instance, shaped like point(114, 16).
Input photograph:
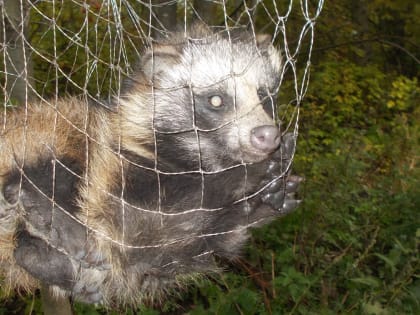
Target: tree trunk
point(361, 17)
point(18, 69)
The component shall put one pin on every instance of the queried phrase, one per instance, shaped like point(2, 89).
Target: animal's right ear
point(158, 59)
point(264, 43)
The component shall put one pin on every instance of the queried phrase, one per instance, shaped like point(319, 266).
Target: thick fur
point(118, 203)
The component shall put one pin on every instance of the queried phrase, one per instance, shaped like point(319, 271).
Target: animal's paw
point(42, 261)
point(281, 160)
point(89, 287)
point(90, 294)
point(280, 193)
point(90, 256)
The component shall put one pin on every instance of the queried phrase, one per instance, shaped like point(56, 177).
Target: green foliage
point(229, 294)
point(82, 53)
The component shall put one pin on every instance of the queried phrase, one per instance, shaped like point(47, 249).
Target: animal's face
point(215, 99)
point(234, 103)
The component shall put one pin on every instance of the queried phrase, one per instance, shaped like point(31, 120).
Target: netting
point(114, 169)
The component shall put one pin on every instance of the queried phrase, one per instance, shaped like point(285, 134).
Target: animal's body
point(118, 203)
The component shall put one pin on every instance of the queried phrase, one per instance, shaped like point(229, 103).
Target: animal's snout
point(265, 138)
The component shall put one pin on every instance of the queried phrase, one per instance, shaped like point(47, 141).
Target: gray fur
point(171, 179)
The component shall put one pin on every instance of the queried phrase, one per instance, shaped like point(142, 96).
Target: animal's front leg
point(54, 246)
point(49, 211)
point(277, 188)
point(280, 193)
point(44, 262)
point(54, 267)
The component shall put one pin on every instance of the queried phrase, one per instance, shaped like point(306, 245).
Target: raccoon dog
point(119, 203)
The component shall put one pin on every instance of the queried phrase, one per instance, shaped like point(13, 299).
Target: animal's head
point(212, 98)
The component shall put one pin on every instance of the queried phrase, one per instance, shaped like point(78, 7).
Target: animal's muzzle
point(265, 138)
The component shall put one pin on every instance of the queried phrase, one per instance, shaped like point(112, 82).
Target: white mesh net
point(146, 170)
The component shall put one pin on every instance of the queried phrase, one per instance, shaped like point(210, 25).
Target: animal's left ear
point(266, 47)
point(263, 41)
point(158, 59)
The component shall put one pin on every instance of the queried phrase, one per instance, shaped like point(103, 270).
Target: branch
point(376, 39)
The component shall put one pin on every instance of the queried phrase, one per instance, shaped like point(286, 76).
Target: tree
point(18, 71)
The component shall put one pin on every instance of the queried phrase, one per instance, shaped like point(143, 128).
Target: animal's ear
point(265, 45)
point(158, 59)
point(263, 41)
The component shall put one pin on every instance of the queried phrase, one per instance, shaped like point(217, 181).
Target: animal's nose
point(265, 138)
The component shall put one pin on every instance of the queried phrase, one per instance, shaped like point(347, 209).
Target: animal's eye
point(267, 100)
point(262, 94)
point(216, 101)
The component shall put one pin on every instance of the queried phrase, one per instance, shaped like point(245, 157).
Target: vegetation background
point(352, 247)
